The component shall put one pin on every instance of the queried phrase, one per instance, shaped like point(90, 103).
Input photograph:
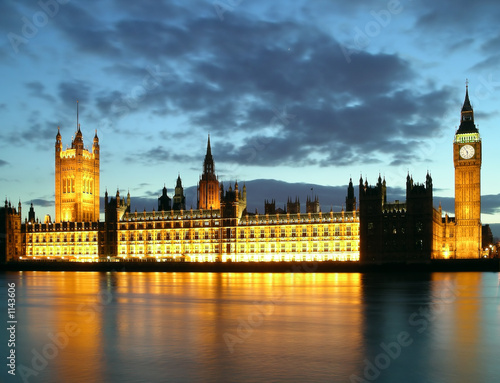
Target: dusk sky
point(297, 91)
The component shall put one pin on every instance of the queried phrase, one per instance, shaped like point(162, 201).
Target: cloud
point(87, 31)
point(72, 91)
point(490, 204)
point(3, 163)
point(275, 81)
point(37, 89)
point(40, 202)
point(273, 85)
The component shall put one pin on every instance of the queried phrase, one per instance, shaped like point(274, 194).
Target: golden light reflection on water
point(130, 327)
point(174, 321)
point(457, 320)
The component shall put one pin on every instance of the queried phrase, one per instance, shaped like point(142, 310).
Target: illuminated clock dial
point(466, 152)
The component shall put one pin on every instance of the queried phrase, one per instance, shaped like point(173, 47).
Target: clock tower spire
point(467, 159)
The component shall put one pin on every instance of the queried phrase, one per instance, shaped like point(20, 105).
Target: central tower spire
point(208, 187)
point(208, 164)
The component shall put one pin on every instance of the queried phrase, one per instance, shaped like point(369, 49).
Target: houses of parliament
point(221, 230)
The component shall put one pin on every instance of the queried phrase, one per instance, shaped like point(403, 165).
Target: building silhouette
point(179, 197)
point(392, 231)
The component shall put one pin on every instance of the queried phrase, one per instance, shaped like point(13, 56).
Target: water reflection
point(220, 327)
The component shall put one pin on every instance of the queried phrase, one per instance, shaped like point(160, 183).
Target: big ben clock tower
point(467, 161)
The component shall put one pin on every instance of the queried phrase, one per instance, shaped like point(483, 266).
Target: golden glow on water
point(129, 327)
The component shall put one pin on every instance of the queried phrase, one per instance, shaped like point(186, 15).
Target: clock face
point(466, 152)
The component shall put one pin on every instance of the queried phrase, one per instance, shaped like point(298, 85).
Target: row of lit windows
point(294, 247)
point(288, 257)
point(244, 248)
point(42, 238)
point(61, 251)
point(250, 257)
point(296, 218)
point(244, 233)
point(138, 220)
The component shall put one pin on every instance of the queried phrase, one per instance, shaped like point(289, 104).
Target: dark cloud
point(3, 163)
point(38, 132)
point(87, 31)
point(490, 204)
point(39, 202)
point(161, 155)
point(248, 75)
point(37, 89)
point(72, 91)
point(490, 63)
point(449, 17)
point(283, 85)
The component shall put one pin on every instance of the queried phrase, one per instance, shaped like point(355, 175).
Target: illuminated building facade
point(460, 237)
point(61, 240)
point(211, 235)
point(221, 229)
point(77, 180)
point(467, 160)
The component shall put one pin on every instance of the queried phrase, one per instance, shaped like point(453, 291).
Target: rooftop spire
point(208, 164)
point(467, 115)
point(209, 149)
point(467, 106)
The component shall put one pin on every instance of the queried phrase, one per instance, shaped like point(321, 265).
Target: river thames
point(253, 327)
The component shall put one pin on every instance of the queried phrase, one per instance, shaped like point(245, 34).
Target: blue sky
point(304, 91)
